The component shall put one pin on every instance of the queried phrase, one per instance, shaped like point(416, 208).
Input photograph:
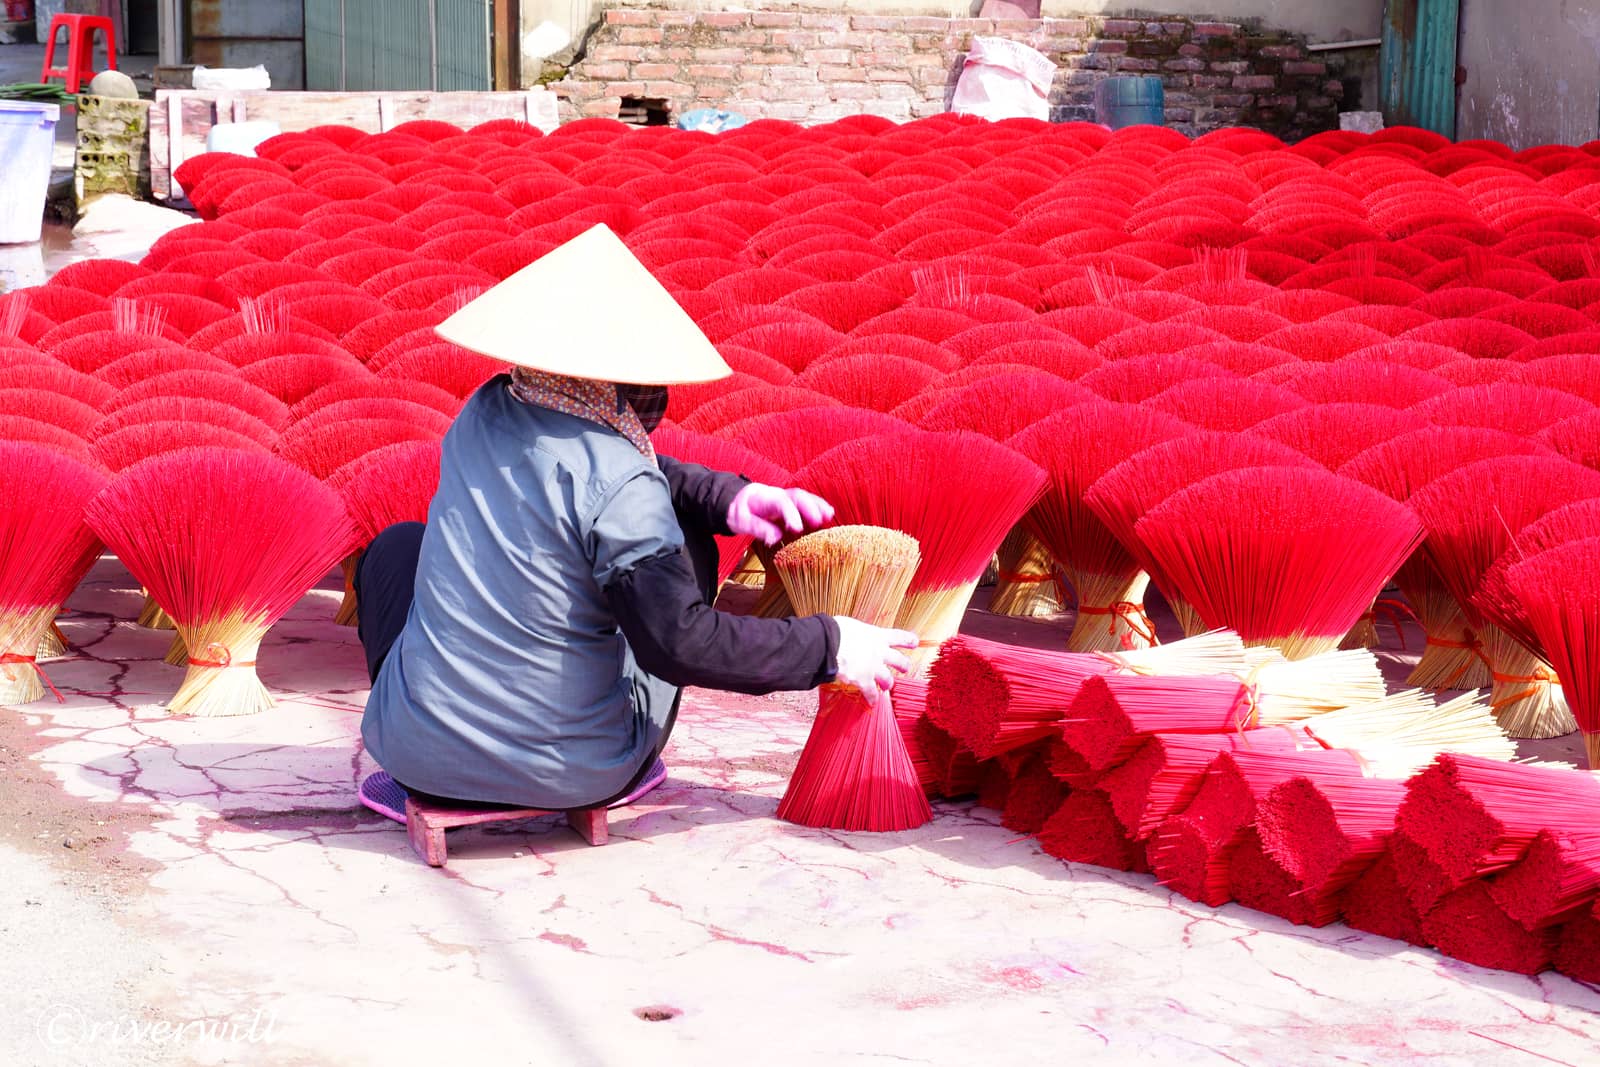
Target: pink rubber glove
point(768, 513)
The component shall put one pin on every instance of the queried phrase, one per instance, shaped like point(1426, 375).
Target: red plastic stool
point(80, 48)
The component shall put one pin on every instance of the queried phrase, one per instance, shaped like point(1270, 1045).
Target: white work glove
point(767, 513)
point(869, 658)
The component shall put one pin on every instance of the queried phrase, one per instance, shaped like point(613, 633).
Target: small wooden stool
point(426, 824)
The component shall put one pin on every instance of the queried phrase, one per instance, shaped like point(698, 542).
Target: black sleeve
point(701, 491)
point(678, 637)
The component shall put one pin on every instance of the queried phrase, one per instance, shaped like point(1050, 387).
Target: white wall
point(1533, 72)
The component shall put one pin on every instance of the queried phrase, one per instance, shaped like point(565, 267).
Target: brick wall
point(815, 67)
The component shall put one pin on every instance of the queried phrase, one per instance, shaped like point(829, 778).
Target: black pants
point(385, 584)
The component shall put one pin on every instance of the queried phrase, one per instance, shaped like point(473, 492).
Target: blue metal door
point(1417, 81)
point(364, 45)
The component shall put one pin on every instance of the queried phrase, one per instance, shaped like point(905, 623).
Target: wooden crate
point(181, 118)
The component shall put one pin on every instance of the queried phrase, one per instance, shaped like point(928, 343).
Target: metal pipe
point(1339, 46)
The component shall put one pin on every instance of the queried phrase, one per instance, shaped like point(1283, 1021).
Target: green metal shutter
point(1418, 64)
point(464, 36)
point(368, 45)
point(324, 44)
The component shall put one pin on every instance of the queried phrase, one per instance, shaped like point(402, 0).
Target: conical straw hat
point(588, 309)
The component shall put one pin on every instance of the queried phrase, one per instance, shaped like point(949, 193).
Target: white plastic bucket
point(27, 148)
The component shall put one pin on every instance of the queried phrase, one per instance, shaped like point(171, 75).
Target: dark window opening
point(645, 111)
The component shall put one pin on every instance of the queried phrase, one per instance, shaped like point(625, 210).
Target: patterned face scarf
point(600, 402)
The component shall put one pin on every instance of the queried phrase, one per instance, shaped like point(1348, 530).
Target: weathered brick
point(1120, 27)
point(849, 39)
point(1175, 29)
point(655, 71)
point(1178, 114)
point(794, 39)
point(607, 53)
point(888, 74)
point(1281, 51)
point(774, 20)
point(991, 26)
point(841, 74)
point(639, 35)
point(1334, 89)
point(923, 24)
point(1174, 81)
point(1210, 81)
point(838, 56)
point(604, 71)
point(1139, 66)
point(673, 18)
point(616, 17)
point(831, 23)
point(712, 71)
point(790, 74)
point(1233, 100)
point(1305, 69)
point(724, 20)
point(678, 53)
point(668, 89)
point(1108, 48)
point(719, 55)
point(1231, 67)
point(1067, 27)
point(1255, 82)
point(1060, 45)
point(1216, 29)
point(876, 22)
point(605, 108)
point(1190, 50)
point(743, 38)
point(1014, 28)
point(770, 59)
point(1190, 65)
point(624, 88)
point(851, 91)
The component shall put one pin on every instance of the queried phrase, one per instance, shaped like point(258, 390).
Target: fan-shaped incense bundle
point(854, 772)
point(45, 550)
point(1472, 515)
point(390, 485)
point(1075, 448)
point(1286, 557)
point(1452, 657)
point(226, 542)
point(957, 494)
point(1122, 495)
point(1559, 591)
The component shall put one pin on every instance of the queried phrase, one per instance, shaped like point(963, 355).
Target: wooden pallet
point(182, 118)
point(426, 824)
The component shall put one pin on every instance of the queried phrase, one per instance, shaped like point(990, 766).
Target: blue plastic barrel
point(1130, 100)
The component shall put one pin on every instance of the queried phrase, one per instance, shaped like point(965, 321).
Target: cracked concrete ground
point(220, 875)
